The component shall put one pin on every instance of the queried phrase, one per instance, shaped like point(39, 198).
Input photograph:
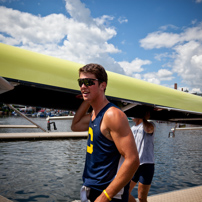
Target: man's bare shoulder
point(115, 119)
point(114, 112)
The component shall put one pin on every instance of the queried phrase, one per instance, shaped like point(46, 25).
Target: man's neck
point(99, 105)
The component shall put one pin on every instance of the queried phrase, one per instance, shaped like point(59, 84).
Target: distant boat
point(41, 114)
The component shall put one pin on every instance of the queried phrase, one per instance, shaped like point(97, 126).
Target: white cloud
point(164, 74)
point(186, 52)
point(162, 39)
point(165, 27)
point(123, 42)
point(134, 66)
point(26, 28)
point(195, 90)
point(103, 19)
point(9, 40)
point(69, 39)
point(193, 33)
point(198, 1)
point(194, 21)
point(137, 76)
point(162, 56)
point(122, 20)
point(157, 77)
point(159, 40)
point(196, 60)
point(78, 11)
point(188, 63)
point(152, 78)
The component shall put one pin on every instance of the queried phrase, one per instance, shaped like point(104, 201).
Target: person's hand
point(79, 96)
point(102, 198)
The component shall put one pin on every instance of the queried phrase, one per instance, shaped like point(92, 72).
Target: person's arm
point(147, 126)
point(81, 119)
point(117, 123)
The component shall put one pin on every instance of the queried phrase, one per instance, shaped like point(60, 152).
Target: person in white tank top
point(143, 132)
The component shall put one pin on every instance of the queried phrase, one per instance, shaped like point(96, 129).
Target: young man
point(109, 138)
point(143, 132)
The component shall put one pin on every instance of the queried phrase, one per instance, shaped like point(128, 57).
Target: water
point(51, 170)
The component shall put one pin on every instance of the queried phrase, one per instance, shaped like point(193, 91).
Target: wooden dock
point(18, 126)
point(42, 135)
point(193, 194)
point(3, 199)
point(184, 195)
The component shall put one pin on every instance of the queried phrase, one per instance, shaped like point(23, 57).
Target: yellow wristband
point(106, 194)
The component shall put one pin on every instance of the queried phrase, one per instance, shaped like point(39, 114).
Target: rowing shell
point(34, 79)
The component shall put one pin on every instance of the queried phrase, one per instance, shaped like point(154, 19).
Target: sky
point(158, 41)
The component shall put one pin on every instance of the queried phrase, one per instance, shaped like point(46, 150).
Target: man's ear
point(103, 85)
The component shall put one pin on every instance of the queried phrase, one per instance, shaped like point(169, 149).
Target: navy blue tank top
point(102, 156)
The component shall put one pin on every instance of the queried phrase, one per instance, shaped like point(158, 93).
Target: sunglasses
point(87, 82)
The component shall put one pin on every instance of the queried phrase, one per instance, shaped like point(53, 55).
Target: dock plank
point(185, 195)
point(43, 135)
point(18, 126)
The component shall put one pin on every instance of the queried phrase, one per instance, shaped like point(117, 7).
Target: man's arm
point(81, 119)
point(147, 126)
point(117, 123)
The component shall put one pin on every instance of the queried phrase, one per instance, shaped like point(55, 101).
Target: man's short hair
point(97, 70)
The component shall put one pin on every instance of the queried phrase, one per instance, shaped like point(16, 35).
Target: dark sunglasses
point(87, 82)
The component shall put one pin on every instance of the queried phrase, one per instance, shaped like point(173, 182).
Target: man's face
point(91, 90)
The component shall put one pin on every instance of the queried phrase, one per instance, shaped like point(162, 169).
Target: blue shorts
point(144, 174)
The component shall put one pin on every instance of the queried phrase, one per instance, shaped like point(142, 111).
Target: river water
point(51, 170)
